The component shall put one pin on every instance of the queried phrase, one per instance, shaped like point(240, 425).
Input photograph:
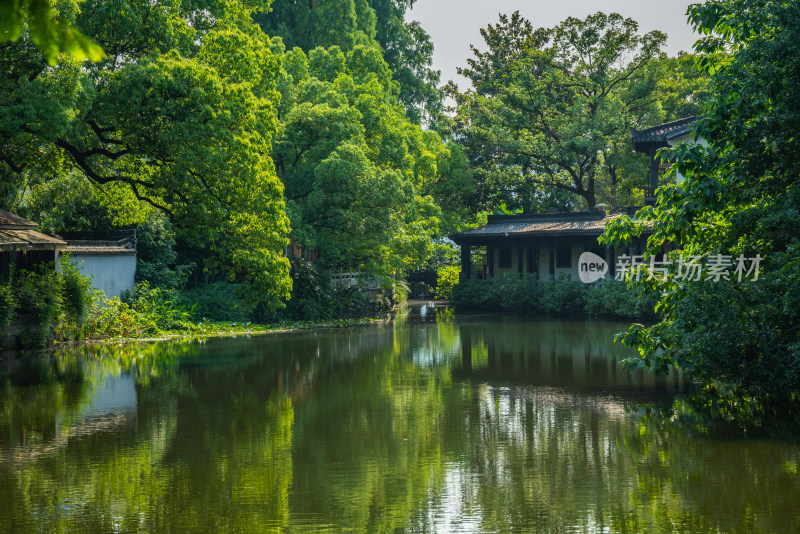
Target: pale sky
point(455, 24)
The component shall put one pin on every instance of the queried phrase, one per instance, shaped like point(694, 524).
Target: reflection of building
point(552, 353)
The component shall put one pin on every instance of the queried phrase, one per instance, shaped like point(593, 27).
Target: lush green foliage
point(550, 108)
point(547, 121)
point(377, 24)
point(179, 116)
point(146, 312)
point(512, 293)
point(210, 136)
point(357, 173)
point(157, 260)
point(741, 196)
point(312, 297)
point(216, 301)
point(48, 26)
point(617, 300)
point(446, 280)
point(45, 303)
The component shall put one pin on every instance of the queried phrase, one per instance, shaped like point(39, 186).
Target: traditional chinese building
point(547, 246)
point(110, 264)
point(650, 140)
point(22, 246)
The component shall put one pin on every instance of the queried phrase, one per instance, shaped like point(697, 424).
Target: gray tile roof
point(12, 221)
point(125, 247)
point(27, 239)
point(541, 225)
point(657, 136)
point(18, 233)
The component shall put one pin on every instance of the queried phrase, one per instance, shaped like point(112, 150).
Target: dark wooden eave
point(658, 136)
point(548, 225)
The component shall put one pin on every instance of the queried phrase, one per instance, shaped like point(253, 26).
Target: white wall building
point(111, 265)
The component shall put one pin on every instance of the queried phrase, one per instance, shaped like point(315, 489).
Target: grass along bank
point(46, 306)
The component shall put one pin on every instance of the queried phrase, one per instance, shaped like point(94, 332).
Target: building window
point(505, 258)
point(533, 261)
point(563, 258)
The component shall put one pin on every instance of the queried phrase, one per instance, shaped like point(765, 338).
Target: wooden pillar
point(612, 262)
point(553, 260)
point(653, 172)
point(520, 250)
point(490, 259)
point(465, 262)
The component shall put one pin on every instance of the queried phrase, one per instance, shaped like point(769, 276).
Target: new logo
point(591, 267)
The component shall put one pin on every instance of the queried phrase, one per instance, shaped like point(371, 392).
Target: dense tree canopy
point(741, 199)
point(198, 114)
point(181, 112)
point(49, 26)
point(405, 46)
point(356, 170)
point(547, 120)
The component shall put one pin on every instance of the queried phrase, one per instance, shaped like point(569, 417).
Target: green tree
point(408, 50)
point(48, 26)
point(740, 197)
point(181, 112)
point(406, 47)
point(550, 108)
point(356, 171)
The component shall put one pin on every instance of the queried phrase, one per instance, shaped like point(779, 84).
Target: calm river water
point(426, 423)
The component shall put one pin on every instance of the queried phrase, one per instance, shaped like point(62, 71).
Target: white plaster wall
point(111, 274)
point(685, 138)
point(544, 263)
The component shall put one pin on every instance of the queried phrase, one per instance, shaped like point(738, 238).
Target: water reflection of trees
point(413, 427)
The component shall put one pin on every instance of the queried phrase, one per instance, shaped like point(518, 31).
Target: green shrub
point(49, 304)
point(145, 311)
point(446, 280)
point(311, 298)
point(217, 301)
point(614, 299)
point(521, 294)
point(512, 293)
point(509, 293)
point(7, 307)
point(156, 255)
point(564, 297)
point(352, 302)
point(78, 292)
point(159, 309)
point(39, 293)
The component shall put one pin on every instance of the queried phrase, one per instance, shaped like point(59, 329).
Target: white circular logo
point(591, 267)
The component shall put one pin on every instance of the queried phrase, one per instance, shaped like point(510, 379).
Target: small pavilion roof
point(659, 135)
point(590, 224)
point(18, 233)
point(13, 221)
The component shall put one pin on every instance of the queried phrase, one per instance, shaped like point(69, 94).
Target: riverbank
point(219, 330)
point(206, 330)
